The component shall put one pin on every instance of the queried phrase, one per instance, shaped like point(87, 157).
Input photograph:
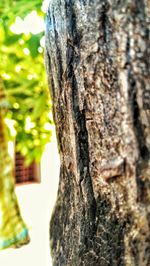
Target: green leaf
point(39, 107)
point(12, 39)
point(33, 44)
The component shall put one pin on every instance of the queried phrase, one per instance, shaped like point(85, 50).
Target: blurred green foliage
point(23, 74)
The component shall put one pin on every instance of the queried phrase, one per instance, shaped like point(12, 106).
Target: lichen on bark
point(97, 60)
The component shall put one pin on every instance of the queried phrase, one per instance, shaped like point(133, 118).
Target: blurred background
point(30, 127)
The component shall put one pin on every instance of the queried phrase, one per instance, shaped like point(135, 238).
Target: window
point(26, 174)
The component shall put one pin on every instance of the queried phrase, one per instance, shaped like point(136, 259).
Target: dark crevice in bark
point(73, 33)
point(81, 135)
point(103, 18)
point(139, 7)
point(139, 130)
point(144, 152)
point(146, 55)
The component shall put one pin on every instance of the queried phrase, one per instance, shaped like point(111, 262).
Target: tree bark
point(97, 60)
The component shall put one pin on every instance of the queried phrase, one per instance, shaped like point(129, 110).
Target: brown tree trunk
point(97, 60)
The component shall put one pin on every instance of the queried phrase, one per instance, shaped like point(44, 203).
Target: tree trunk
point(97, 60)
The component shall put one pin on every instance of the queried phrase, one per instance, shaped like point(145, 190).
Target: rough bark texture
point(97, 60)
